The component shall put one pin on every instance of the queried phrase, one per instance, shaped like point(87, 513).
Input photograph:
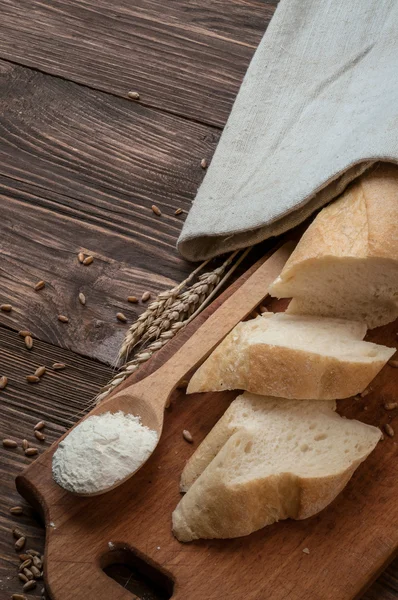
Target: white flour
point(102, 450)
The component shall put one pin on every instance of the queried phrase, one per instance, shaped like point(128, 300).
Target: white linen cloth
point(318, 105)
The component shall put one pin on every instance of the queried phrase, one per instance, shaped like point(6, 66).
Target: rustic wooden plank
point(189, 59)
point(79, 170)
point(58, 399)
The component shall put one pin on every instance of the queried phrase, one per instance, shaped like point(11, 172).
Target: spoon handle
point(233, 310)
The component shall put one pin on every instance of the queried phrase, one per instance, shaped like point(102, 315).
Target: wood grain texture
point(58, 399)
point(79, 170)
point(349, 542)
point(189, 59)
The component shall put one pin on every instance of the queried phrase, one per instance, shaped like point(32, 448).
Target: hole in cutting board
point(136, 575)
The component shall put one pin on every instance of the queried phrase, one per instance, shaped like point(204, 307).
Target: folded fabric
point(317, 107)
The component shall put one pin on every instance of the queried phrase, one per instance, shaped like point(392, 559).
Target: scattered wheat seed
point(40, 285)
point(132, 299)
point(263, 309)
point(40, 371)
point(80, 257)
point(25, 444)
point(3, 382)
point(22, 578)
point(178, 211)
point(59, 366)
point(23, 557)
point(29, 342)
point(16, 510)
point(7, 443)
point(187, 436)
point(31, 451)
point(203, 163)
point(365, 393)
point(28, 574)
point(306, 550)
point(27, 562)
point(390, 405)
point(121, 317)
point(33, 552)
point(17, 533)
point(88, 260)
point(29, 586)
point(6, 307)
point(156, 210)
point(19, 544)
point(145, 296)
point(63, 319)
point(18, 597)
point(133, 95)
point(40, 436)
point(389, 430)
point(40, 425)
point(35, 572)
point(82, 298)
point(32, 379)
point(37, 562)
point(393, 363)
point(24, 333)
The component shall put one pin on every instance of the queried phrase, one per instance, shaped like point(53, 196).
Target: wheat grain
point(40, 285)
point(133, 95)
point(156, 210)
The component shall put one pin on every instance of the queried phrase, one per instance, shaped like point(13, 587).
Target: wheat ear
point(196, 297)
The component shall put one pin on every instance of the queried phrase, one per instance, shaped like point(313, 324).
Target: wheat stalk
point(163, 301)
point(179, 314)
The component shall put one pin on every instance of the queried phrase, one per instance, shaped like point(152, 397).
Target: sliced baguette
point(346, 263)
point(293, 356)
point(268, 459)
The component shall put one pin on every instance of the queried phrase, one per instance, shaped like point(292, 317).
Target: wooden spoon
point(149, 397)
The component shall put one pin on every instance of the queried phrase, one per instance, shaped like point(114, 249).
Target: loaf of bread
point(268, 459)
point(346, 263)
point(292, 356)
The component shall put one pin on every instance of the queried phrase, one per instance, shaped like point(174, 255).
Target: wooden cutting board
point(349, 543)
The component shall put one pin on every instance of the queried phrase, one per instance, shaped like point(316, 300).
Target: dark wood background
point(80, 167)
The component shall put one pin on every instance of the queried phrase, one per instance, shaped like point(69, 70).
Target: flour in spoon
point(101, 451)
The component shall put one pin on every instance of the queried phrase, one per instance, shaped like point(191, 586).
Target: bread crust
point(224, 500)
point(272, 370)
point(362, 223)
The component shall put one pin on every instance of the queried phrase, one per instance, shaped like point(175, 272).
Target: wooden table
point(80, 167)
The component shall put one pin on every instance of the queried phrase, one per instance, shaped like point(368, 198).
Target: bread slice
point(292, 356)
point(268, 459)
point(346, 263)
